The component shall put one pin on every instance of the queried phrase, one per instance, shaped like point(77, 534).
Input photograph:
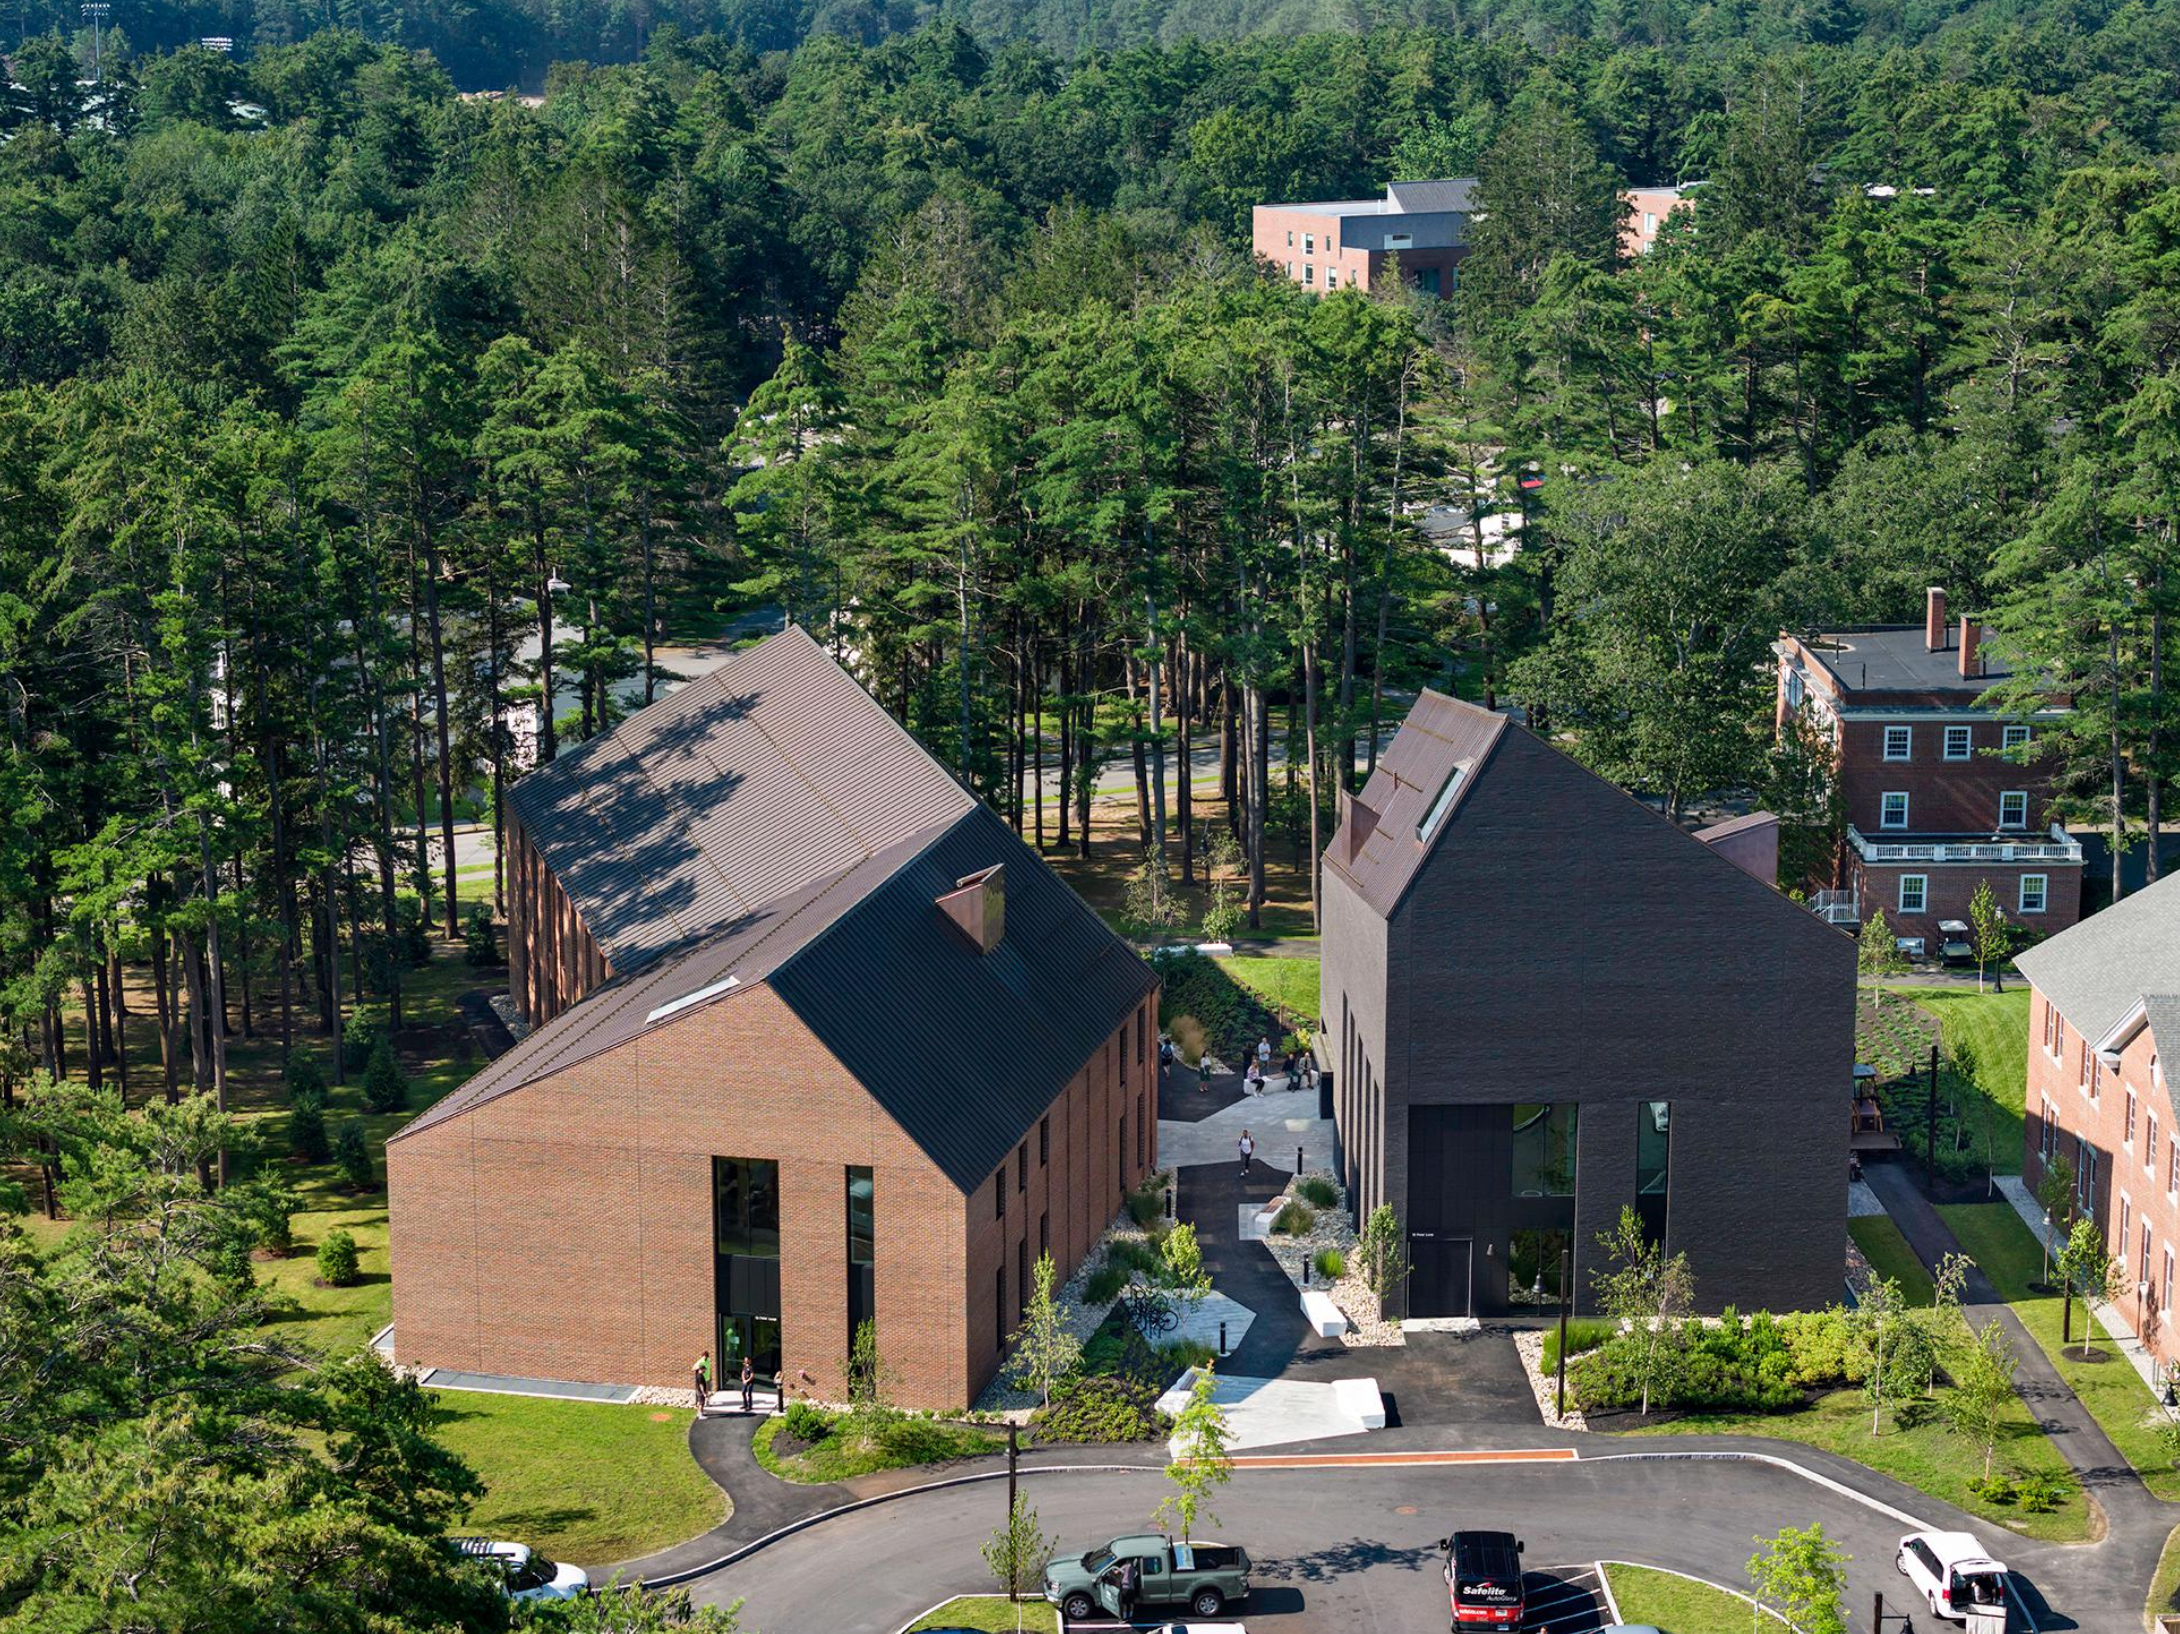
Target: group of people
point(1297, 1067)
point(701, 1384)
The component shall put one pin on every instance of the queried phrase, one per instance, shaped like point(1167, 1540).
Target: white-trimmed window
point(1892, 809)
point(2129, 1138)
point(2149, 1143)
point(2012, 737)
point(2034, 888)
point(1290, 269)
point(1899, 742)
point(2081, 1069)
point(1332, 277)
point(2013, 809)
point(2051, 1029)
point(1958, 742)
point(1794, 689)
point(1290, 238)
point(2172, 1169)
point(2126, 1220)
point(2164, 1299)
point(2144, 1262)
point(1309, 272)
point(1914, 892)
point(1309, 243)
point(2085, 1172)
point(2050, 1143)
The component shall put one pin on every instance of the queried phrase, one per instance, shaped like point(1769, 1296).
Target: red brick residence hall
point(820, 1039)
point(1941, 791)
point(2105, 1008)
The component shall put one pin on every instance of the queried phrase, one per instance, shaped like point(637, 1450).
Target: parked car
point(525, 1573)
point(1954, 1575)
point(1483, 1579)
point(1147, 1570)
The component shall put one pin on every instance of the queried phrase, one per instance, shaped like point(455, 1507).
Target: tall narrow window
point(1021, 1279)
point(1044, 1141)
point(1141, 1129)
point(862, 1252)
point(1120, 1153)
point(1044, 1234)
point(1653, 1152)
point(999, 1192)
point(1021, 1167)
point(999, 1302)
point(746, 1262)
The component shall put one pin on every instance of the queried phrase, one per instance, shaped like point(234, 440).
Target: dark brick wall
point(1564, 943)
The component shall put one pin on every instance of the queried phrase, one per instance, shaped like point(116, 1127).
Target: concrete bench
point(1323, 1316)
point(1359, 1399)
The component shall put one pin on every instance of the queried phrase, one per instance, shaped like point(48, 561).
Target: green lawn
point(2007, 1251)
point(589, 1482)
point(991, 1614)
point(2165, 1585)
point(1289, 986)
point(585, 1481)
point(1923, 1453)
point(1889, 1256)
point(1677, 1605)
point(1990, 1030)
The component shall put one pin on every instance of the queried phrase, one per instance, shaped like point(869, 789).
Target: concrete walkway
point(1278, 1121)
point(2105, 1475)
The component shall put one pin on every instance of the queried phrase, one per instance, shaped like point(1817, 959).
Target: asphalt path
point(1353, 1549)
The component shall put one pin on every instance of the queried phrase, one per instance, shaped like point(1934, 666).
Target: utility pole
point(95, 13)
point(1014, 1452)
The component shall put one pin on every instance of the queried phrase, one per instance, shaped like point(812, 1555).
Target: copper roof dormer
point(977, 906)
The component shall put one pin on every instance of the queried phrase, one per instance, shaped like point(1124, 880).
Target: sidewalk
point(2097, 1464)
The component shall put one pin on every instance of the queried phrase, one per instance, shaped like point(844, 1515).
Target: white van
point(1955, 1577)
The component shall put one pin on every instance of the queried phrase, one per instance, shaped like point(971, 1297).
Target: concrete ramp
point(1273, 1412)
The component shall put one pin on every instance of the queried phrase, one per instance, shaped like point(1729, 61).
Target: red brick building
point(1333, 244)
point(1643, 211)
point(1941, 792)
point(2105, 1005)
point(823, 1040)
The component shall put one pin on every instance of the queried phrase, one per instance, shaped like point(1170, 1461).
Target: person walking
point(1203, 1072)
point(1248, 1147)
point(700, 1376)
point(749, 1385)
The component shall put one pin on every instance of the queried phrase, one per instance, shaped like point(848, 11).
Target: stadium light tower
point(95, 13)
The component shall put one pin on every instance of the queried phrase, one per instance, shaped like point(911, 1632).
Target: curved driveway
point(1351, 1549)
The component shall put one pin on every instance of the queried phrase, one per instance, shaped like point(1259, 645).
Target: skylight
point(1440, 806)
point(674, 1006)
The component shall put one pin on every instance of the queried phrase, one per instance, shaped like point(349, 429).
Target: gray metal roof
point(2097, 971)
point(1441, 735)
point(1421, 198)
point(965, 1049)
point(774, 771)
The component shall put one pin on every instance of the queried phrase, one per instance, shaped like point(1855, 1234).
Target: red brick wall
point(1944, 796)
point(2132, 1179)
point(1953, 885)
point(565, 1230)
point(551, 959)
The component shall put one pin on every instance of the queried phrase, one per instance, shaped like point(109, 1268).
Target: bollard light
point(1222, 1336)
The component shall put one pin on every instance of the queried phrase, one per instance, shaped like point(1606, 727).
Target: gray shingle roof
point(774, 771)
point(2098, 970)
point(1456, 193)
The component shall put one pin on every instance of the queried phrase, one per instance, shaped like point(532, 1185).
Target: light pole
point(95, 13)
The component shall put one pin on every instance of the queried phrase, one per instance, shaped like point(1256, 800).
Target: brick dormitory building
point(2104, 1006)
point(1941, 791)
point(818, 1039)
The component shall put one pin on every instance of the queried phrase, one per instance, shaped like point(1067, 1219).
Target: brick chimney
point(1934, 618)
point(1971, 640)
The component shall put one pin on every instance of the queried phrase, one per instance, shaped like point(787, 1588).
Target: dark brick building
point(1543, 1002)
point(838, 1045)
point(1941, 791)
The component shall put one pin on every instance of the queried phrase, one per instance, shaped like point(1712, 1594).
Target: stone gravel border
point(1366, 1328)
point(1529, 1345)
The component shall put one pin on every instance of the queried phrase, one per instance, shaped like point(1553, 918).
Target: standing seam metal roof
point(1439, 736)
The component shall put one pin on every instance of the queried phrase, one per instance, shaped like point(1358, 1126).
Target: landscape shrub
point(1330, 1264)
point(1765, 1364)
point(1316, 1190)
point(478, 944)
point(352, 1151)
point(2041, 1494)
point(1134, 1254)
point(385, 1086)
point(1584, 1333)
point(927, 1441)
point(1179, 1355)
point(1103, 1285)
point(307, 1138)
point(304, 1078)
point(1998, 1490)
point(1197, 987)
point(337, 1260)
point(1187, 1034)
point(360, 1034)
point(1099, 1409)
point(1294, 1219)
point(1147, 1203)
point(807, 1422)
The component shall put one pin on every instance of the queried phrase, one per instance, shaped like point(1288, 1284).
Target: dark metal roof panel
point(965, 1049)
point(1441, 735)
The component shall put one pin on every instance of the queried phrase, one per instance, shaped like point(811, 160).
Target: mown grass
point(1918, 1449)
point(2008, 1254)
point(1990, 1031)
point(1676, 1605)
point(1289, 986)
point(991, 1614)
point(1890, 1256)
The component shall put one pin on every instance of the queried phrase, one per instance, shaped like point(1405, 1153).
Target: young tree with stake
point(1200, 1462)
point(1649, 1294)
point(1015, 1554)
point(1991, 934)
point(1044, 1351)
point(1801, 1575)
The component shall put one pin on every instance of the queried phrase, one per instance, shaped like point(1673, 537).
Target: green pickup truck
point(1147, 1570)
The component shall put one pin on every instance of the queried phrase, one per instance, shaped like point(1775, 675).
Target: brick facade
point(552, 960)
point(564, 1230)
point(2116, 1126)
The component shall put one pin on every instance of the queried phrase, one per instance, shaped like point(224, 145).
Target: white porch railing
point(2058, 847)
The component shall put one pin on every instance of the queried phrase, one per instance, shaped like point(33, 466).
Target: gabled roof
point(2098, 971)
point(775, 771)
point(965, 1048)
point(1380, 845)
point(1419, 198)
